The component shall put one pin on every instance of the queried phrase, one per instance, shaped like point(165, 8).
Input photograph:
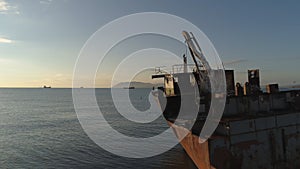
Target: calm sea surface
point(39, 129)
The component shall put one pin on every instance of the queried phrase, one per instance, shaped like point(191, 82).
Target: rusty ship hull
point(260, 131)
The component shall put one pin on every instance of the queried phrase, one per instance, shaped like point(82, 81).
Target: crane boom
point(192, 43)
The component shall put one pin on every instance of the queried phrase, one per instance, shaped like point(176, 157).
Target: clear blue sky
point(40, 40)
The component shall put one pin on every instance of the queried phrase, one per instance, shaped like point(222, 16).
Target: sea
point(39, 128)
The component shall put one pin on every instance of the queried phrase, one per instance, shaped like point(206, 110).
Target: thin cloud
point(46, 2)
point(6, 61)
point(5, 40)
point(3, 6)
point(59, 75)
point(235, 61)
point(6, 8)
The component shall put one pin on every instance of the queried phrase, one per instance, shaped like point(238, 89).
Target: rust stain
point(246, 144)
point(295, 135)
point(225, 160)
point(198, 152)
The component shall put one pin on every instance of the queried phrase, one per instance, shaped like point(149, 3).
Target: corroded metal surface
point(264, 143)
point(258, 130)
point(255, 132)
point(198, 152)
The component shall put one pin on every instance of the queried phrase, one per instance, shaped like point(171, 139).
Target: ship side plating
point(257, 130)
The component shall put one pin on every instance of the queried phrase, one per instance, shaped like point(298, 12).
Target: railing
point(180, 68)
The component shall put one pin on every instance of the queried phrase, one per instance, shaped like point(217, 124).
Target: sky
point(40, 39)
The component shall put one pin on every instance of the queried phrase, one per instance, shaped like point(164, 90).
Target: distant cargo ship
point(46, 87)
point(131, 87)
point(257, 130)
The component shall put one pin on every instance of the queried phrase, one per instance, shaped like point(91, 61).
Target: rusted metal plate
point(198, 152)
point(266, 145)
point(287, 119)
point(265, 123)
point(231, 106)
point(242, 126)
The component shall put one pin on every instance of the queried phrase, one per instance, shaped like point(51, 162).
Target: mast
point(195, 49)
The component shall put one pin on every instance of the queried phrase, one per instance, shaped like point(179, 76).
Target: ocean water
point(39, 129)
